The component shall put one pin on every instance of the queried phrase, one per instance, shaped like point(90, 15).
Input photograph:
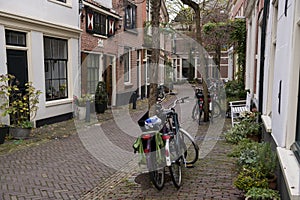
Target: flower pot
point(19, 133)
point(100, 108)
point(81, 113)
point(3, 133)
point(272, 182)
point(254, 138)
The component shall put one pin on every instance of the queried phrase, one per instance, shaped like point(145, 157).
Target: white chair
point(237, 107)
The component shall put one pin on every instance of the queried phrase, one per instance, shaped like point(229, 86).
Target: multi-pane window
point(92, 62)
point(55, 61)
point(100, 24)
point(126, 60)
point(130, 16)
point(15, 38)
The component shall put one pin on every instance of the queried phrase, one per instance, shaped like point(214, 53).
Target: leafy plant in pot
point(262, 193)
point(81, 105)
point(21, 107)
point(101, 97)
point(4, 101)
point(266, 163)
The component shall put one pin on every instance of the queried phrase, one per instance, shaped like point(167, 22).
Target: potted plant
point(250, 177)
point(21, 107)
point(251, 126)
point(101, 97)
point(257, 164)
point(4, 101)
point(247, 128)
point(266, 163)
point(262, 194)
point(81, 103)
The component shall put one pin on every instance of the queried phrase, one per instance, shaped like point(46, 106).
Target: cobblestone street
point(98, 162)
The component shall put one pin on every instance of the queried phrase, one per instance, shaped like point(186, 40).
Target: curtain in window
point(55, 63)
point(92, 72)
point(126, 61)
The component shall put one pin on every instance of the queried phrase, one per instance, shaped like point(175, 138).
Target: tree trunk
point(154, 60)
point(195, 6)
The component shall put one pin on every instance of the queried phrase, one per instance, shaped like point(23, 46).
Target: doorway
point(17, 66)
point(107, 76)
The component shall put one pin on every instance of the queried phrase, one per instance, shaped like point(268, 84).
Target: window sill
point(291, 171)
point(100, 36)
point(128, 84)
point(133, 31)
point(58, 102)
point(267, 121)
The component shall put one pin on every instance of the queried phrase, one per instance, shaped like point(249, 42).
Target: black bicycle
point(166, 144)
point(198, 109)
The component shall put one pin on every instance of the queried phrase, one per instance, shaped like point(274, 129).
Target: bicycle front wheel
point(175, 171)
point(175, 168)
point(216, 111)
point(189, 147)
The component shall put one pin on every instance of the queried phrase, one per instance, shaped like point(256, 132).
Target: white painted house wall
point(105, 3)
point(250, 51)
point(286, 69)
point(44, 10)
point(38, 19)
point(282, 72)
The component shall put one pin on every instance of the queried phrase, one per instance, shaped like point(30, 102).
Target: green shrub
point(245, 143)
point(249, 178)
point(262, 193)
point(247, 127)
point(235, 89)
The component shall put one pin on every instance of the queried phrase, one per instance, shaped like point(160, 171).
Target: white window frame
point(129, 65)
point(68, 2)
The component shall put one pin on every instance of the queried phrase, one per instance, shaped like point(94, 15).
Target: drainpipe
point(262, 55)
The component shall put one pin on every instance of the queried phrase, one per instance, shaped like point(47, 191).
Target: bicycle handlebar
point(174, 103)
point(177, 100)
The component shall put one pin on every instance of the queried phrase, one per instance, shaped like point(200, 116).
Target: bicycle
point(214, 107)
point(166, 144)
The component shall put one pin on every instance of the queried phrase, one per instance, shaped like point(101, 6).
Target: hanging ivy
point(238, 36)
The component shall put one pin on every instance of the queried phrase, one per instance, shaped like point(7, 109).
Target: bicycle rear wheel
point(158, 178)
point(200, 115)
point(156, 172)
point(189, 147)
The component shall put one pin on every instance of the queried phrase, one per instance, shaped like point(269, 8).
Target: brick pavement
point(63, 168)
point(72, 168)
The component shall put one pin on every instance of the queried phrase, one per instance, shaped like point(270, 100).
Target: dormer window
point(100, 24)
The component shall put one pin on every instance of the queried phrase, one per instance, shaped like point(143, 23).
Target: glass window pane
point(92, 72)
point(47, 48)
point(63, 88)
point(15, 38)
point(55, 62)
point(62, 49)
point(62, 69)
point(55, 50)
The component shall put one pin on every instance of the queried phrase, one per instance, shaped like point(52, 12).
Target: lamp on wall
point(81, 6)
